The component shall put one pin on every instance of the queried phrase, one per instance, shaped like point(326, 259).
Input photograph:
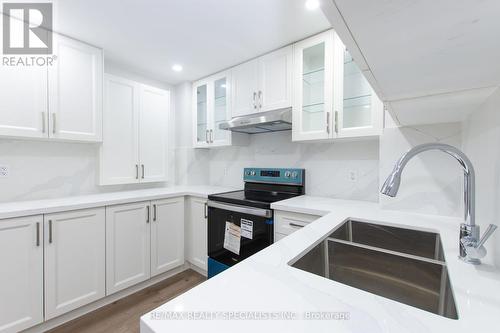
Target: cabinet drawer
point(287, 222)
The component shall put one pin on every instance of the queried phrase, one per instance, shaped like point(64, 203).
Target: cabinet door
point(200, 114)
point(21, 281)
point(75, 91)
point(167, 235)
point(119, 152)
point(360, 111)
point(313, 86)
point(275, 88)
point(127, 245)
point(23, 101)
point(74, 260)
point(197, 233)
point(153, 118)
point(244, 88)
point(220, 102)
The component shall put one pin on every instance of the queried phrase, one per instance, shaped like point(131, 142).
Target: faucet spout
point(391, 185)
point(471, 248)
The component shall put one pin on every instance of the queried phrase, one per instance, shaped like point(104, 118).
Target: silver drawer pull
point(296, 225)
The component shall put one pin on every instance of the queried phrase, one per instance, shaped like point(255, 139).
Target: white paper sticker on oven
point(232, 238)
point(246, 228)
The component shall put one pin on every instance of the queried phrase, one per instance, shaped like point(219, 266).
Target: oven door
point(260, 219)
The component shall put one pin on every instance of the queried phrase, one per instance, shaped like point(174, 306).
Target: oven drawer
point(286, 223)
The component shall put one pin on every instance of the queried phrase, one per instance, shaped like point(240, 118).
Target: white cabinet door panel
point(153, 119)
point(119, 155)
point(23, 101)
point(167, 235)
point(197, 233)
point(275, 78)
point(21, 280)
point(244, 88)
point(75, 91)
point(127, 245)
point(74, 260)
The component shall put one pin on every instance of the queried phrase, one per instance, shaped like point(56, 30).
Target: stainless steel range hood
point(271, 121)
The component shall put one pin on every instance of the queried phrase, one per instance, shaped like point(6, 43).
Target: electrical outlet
point(4, 171)
point(353, 176)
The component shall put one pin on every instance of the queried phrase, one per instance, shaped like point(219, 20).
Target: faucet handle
point(491, 229)
point(475, 249)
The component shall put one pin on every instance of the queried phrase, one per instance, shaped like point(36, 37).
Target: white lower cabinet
point(286, 223)
point(127, 245)
point(196, 232)
point(21, 280)
point(167, 235)
point(74, 260)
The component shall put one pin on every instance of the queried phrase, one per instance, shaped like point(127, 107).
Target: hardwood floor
point(123, 315)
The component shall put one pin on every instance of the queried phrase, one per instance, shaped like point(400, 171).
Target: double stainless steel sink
point(401, 264)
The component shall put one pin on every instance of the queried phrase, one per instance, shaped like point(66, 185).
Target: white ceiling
point(205, 36)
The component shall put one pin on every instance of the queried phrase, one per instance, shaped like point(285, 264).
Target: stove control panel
point(274, 176)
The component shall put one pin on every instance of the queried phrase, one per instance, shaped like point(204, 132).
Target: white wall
point(40, 170)
point(482, 145)
point(432, 182)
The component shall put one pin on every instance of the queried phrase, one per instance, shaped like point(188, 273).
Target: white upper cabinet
point(244, 87)
point(360, 111)
point(23, 101)
point(135, 130)
point(119, 153)
point(263, 84)
point(60, 101)
point(21, 281)
point(74, 260)
point(153, 119)
point(275, 77)
point(332, 98)
point(75, 91)
point(313, 88)
point(211, 107)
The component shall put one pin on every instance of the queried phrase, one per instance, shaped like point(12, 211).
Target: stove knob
point(252, 173)
point(287, 174)
point(294, 174)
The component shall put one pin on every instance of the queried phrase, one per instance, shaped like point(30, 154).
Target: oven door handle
point(242, 209)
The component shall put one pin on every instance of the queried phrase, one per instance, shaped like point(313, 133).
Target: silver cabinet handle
point(206, 136)
point(336, 121)
point(50, 231)
point(254, 100)
point(38, 234)
point(142, 167)
point(137, 171)
point(260, 99)
point(43, 122)
point(53, 123)
point(147, 214)
point(154, 212)
point(206, 210)
point(328, 122)
point(296, 225)
point(211, 136)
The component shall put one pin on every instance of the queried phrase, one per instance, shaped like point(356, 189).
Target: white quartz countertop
point(265, 285)
point(34, 207)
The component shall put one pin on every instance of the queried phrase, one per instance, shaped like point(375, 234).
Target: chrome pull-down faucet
point(471, 247)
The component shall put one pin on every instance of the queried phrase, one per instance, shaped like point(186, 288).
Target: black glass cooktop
point(259, 199)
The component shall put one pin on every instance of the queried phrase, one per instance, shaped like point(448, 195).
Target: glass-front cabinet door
point(359, 110)
point(200, 91)
point(313, 88)
point(211, 108)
